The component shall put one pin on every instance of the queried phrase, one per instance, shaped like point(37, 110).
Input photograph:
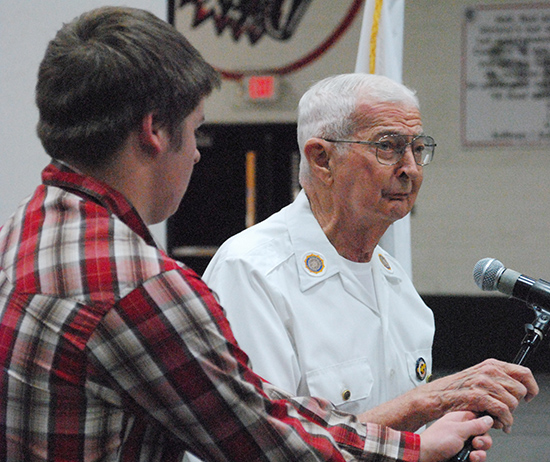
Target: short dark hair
point(106, 70)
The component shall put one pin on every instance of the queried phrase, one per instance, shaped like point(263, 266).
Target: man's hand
point(446, 437)
point(493, 387)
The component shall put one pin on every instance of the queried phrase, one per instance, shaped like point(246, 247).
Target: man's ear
point(317, 154)
point(151, 135)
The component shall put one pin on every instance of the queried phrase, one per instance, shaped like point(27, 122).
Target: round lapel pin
point(385, 262)
point(314, 263)
point(421, 368)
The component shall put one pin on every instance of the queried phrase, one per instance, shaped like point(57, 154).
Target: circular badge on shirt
point(314, 263)
point(385, 263)
point(421, 368)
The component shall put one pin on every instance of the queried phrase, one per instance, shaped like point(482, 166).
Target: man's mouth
point(397, 196)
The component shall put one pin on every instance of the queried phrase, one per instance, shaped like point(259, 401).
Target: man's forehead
point(373, 107)
point(197, 115)
point(388, 118)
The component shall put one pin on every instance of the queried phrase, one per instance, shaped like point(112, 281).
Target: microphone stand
point(534, 334)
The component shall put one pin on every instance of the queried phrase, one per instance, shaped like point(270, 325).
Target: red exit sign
point(261, 88)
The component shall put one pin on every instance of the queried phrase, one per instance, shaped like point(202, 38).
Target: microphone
point(490, 274)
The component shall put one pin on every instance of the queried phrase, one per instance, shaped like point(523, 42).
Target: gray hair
point(327, 109)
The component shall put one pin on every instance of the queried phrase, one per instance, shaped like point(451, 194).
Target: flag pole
point(380, 52)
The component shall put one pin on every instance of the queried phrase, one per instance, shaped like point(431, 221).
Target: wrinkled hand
point(446, 437)
point(494, 387)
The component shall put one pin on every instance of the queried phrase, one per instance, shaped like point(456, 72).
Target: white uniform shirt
point(307, 322)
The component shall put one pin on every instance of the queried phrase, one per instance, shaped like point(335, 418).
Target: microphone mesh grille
point(486, 273)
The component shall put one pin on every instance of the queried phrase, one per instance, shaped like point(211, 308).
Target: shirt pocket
point(419, 365)
point(346, 385)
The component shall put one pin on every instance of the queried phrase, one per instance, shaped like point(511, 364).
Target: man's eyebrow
point(386, 133)
point(396, 132)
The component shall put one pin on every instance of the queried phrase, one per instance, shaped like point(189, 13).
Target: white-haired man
point(321, 308)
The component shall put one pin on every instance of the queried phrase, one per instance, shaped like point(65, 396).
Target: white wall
point(25, 29)
point(476, 202)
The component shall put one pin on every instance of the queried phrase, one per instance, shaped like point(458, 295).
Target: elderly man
point(109, 349)
point(319, 306)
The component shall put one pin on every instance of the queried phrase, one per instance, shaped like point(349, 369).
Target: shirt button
point(346, 395)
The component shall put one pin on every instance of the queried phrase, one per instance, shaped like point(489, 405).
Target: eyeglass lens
point(390, 148)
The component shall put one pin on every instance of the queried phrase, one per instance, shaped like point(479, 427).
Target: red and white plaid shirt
point(112, 351)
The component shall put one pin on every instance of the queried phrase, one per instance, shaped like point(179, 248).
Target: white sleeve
point(257, 312)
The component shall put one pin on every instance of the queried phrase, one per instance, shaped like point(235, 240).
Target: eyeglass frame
point(402, 153)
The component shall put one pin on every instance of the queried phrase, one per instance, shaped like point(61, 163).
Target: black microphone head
point(487, 273)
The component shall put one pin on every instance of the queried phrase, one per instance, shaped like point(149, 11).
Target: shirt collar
point(316, 257)
point(63, 176)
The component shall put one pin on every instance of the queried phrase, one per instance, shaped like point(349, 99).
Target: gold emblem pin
point(384, 262)
point(314, 263)
point(421, 368)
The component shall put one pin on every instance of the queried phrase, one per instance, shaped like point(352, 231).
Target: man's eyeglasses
point(390, 149)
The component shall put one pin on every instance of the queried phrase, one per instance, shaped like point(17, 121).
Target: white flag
point(381, 52)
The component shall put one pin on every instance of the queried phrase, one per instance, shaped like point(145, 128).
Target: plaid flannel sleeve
point(169, 348)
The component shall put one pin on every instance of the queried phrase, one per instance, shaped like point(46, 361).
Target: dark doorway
point(216, 205)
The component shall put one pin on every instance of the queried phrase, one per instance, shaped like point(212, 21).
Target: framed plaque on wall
point(505, 97)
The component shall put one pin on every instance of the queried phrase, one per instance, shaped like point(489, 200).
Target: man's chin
point(399, 209)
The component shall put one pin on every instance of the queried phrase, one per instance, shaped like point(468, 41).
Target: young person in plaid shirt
point(109, 349)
